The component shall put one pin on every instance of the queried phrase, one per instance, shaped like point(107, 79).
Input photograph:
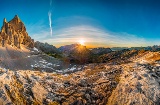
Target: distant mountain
point(45, 47)
point(153, 48)
point(69, 48)
point(118, 48)
point(14, 33)
point(101, 50)
point(76, 53)
point(80, 54)
point(148, 48)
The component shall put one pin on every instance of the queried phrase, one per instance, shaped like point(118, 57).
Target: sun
point(82, 42)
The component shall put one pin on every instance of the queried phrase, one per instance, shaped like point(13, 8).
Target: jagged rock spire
point(4, 25)
point(16, 16)
point(14, 33)
point(4, 20)
point(16, 19)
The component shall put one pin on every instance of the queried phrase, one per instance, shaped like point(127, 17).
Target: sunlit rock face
point(14, 33)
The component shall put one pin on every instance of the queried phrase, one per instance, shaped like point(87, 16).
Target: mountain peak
point(14, 33)
point(4, 20)
point(16, 17)
point(15, 20)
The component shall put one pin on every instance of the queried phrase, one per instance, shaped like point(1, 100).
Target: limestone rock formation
point(14, 33)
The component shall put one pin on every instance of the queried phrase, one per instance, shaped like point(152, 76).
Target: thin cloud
point(50, 21)
point(95, 35)
point(92, 36)
point(50, 17)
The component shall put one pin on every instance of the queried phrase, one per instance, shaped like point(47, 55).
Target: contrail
point(50, 17)
point(50, 21)
point(50, 2)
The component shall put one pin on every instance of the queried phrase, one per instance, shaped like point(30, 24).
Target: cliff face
point(14, 33)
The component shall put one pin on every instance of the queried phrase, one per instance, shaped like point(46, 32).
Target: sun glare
point(81, 42)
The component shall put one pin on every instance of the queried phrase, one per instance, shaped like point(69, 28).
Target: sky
point(99, 23)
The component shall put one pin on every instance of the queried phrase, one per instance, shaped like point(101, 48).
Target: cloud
point(50, 21)
point(94, 36)
point(50, 3)
point(50, 17)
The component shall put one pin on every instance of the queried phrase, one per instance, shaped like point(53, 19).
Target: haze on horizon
point(99, 23)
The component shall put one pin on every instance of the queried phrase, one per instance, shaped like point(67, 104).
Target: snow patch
point(35, 49)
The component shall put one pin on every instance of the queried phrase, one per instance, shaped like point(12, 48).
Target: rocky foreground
point(139, 85)
point(93, 85)
point(96, 84)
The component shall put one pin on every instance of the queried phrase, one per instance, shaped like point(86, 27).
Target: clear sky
point(107, 23)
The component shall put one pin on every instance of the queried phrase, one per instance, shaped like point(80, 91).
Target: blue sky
point(107, 23)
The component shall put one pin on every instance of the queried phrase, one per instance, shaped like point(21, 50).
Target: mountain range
point(36, 73)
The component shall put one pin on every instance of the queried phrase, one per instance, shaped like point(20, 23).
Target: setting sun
point(81, 42)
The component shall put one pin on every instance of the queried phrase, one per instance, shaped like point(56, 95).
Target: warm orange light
point(81, 42)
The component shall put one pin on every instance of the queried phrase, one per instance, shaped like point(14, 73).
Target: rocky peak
point(4, 21)
point(15, 20)
point(16, 17)
point(70, 48)
point(14, 33)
